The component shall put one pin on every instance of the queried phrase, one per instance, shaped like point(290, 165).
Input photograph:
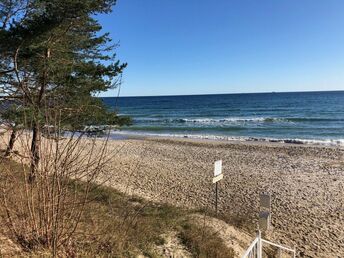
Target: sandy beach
point(306, 183)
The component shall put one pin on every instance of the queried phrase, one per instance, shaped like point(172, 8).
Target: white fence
point(256, 248)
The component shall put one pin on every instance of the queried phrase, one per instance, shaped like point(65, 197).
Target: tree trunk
point(35, 157)
point(34, 152)
point(11, 142)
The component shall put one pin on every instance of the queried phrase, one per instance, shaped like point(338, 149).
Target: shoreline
point(118, 135)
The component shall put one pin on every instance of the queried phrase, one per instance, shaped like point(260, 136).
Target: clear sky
point(175, 47)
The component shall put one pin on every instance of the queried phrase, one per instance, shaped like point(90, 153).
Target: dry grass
point(116, 225)
point(202, 242)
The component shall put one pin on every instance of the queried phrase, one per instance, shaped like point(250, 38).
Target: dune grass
point(117, 225)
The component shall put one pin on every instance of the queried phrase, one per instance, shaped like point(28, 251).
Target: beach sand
point(306, 183)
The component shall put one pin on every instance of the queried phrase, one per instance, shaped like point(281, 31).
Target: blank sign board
point(265, 211)
point(265, 201)
point(217, 168)
point(264, 220)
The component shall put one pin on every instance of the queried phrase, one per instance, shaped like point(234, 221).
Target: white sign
point(217, 168)
point(217, 171)
point(217, 178)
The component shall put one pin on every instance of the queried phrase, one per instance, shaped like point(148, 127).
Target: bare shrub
point(45, 213)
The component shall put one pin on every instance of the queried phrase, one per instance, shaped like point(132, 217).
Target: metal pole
point(216, 198)
point(279, 253)
point(260, 248)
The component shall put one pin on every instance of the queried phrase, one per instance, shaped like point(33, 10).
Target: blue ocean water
point(314, 117)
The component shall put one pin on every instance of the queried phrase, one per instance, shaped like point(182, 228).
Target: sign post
point(217, 177)
point(265, 211)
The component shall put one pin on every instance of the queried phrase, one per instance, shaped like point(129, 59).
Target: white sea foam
point(213, 120)
point(229, 119)
point(325, 142)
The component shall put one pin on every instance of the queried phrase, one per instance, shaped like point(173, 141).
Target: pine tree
point(52, 56)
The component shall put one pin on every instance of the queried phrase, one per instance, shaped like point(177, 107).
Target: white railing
point(256, 248)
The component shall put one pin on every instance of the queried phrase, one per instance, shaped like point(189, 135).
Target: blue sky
point(175, 47)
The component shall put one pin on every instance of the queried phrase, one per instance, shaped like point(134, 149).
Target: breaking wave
point(324, 142)
point(233, 120)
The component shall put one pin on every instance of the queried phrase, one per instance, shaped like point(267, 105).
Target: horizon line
point(233, 93)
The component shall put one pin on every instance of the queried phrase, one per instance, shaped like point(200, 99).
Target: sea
point(293, 117)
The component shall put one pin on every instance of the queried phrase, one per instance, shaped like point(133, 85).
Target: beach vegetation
point(55, 59)
point(112, 224)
